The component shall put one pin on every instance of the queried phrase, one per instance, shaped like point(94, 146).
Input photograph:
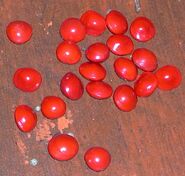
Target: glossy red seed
point(97, 158)
point(53, 107)
point(71, 86)
point(72, 30)
point(99, 89)
point(116, 22)
point(97, 52)
point(92, 71)
point(25, 118)
point(19, 32)
point(144, 59)
point(145, 85)
point(63, 147)
point(27, 79)
point(125, 98)
point(94, 22)
point(68, 53)
point(169, 77)
point(125, 69)
point(142, 29)
point(120, 44)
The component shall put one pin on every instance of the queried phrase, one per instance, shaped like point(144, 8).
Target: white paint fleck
point(28, 135)
point(83, 48)
point(38, 14)
point(33, 162)
point(37, 108)
point(40, 24)
point(180, 43)
point(137, 5)
point(50, 23)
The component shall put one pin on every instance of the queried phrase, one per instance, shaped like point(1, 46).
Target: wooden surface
point(149, 141)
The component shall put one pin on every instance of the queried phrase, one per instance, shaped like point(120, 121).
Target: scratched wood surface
point(149, 141)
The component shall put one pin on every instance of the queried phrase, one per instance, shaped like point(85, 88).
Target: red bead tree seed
point(25, 118)
point(97, 52)
point(120, 44)
point(169, 77)
point(27, 79)
point(92, 71)
point(72, 30)
point(63, 147)
point(53, 107)
point(19, 32)
point(125, 69)
point(116, 22)
point(99, 89)
point(145, 59)
point(71, 86)
point(145, 85)
point(125, 98)
point(94, 22)
point(68, 53)
point(142, 29)
point(97, 158)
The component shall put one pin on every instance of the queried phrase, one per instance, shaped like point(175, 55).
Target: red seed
point(25, 118)
point(116, 22)
point(19, 32)
point(92, 71)
point(169, 77)
point(144, 59)
point(68, 53)
point(99, 89)
point(71, 86)
point(72, 30)
point(27, 79)
point(97, 52)
point(94, 22)
point(97, 158)
point(63, 147)
point(120, 44)
point(125, 98)
point(142, 29)
point(53, 107)
point(125, 69)
point(146, 84)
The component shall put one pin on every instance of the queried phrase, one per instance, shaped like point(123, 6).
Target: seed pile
point(73, 30)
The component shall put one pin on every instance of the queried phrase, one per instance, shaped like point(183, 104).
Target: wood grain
point(149, 141)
